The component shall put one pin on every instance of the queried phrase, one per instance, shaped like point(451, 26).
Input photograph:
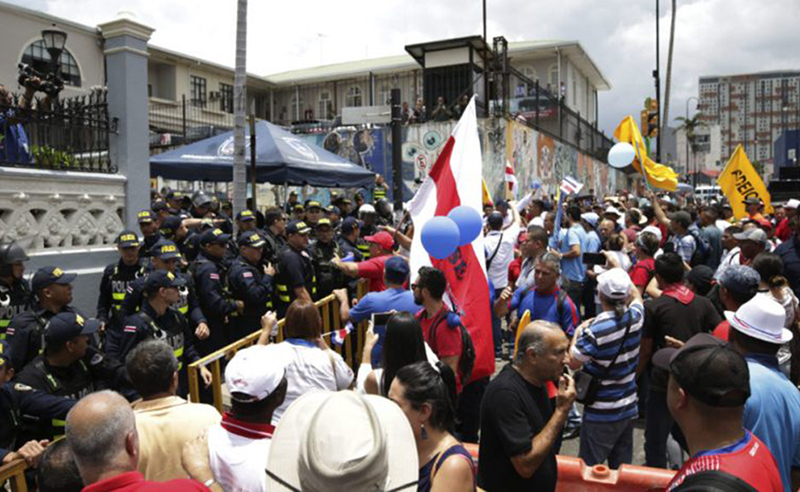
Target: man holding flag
point(744, 188)
point(568, 245)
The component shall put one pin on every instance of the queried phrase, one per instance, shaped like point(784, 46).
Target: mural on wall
point(546, 152)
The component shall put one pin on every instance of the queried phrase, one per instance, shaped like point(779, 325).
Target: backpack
point(702, 248)
point(561, 298)
point(467, 360)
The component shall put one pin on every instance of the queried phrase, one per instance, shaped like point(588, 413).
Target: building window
point(296, 107)
point(324, 105)
point(554, 77)
point(353, 97)
point(385, 96)
point(198, 91)
point(226, 98)
point(38, 58)
point(530, 73)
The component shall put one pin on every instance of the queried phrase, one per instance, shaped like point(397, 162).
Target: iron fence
point(176, 123)
point(70, 134)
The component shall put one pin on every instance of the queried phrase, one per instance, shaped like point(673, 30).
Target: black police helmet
point(202, 199)
point(12, 253)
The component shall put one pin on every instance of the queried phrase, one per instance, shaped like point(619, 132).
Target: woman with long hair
point(427, 395)
point(403, 344)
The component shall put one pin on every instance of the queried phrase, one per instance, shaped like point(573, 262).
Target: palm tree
point(689, 127)
point(665, 119)
point(240, 101)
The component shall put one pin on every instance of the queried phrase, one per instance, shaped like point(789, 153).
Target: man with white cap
point(239, 446)
point(607, 348)
point(782, 230)
point(772, 412)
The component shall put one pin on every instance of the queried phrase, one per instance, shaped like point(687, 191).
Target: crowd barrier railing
point(575, 475)
point(331, 321)
point(14, 473)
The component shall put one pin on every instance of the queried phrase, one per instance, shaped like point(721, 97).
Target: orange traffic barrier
point(575, 475)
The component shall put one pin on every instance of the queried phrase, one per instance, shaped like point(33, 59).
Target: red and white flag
point(511, 182)
point(338, 336)
point(454, 180)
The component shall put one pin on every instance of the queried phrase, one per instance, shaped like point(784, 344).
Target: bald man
point(520, 427)
point(101, 432)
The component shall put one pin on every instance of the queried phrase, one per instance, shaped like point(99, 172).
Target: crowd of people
point(606, 314)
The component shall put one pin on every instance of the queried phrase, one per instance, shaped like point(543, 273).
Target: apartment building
point(748, 109)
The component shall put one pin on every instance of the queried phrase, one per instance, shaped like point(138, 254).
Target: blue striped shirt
point(596, 347)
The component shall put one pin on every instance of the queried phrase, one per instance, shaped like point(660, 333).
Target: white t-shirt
point(366, 368)
point(503, 242)
point(238, 462)
point(312, 368)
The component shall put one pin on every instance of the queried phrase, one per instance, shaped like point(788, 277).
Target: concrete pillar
point(126, 55)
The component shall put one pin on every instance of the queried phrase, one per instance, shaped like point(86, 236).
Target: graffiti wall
point(533, 155)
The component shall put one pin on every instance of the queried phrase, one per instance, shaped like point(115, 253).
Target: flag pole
point(641, 165)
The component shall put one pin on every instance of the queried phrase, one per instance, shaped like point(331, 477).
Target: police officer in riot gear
point(14, 289)
point(160, 319)
point(369, 221)
point(295, 278)
point(206, 206)
point(322, 252)
point(165, 257)
point(116, 279)
point(250, 282)
point(274, 234)
point(209, 274)
point(51, 291)
point(17, 399)
point(70, 367)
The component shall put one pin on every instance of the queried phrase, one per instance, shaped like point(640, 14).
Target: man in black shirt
point(520, 428)
point(679, 314)
point(274, 236)
point(295, 278)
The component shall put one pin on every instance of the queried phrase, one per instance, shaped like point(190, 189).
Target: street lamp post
point(686, 137)
point(54, 41)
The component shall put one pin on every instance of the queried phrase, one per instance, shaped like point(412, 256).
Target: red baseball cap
point(382, 239)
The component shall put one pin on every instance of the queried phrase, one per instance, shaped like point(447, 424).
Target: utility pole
point(657, 75)
point(397, 155)
point(485, 66)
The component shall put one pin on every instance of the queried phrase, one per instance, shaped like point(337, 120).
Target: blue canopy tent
point(281, 158)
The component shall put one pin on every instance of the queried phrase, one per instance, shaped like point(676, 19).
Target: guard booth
point(452, 68)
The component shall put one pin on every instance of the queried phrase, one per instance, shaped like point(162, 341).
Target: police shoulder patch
point(22, 387)
point(247, 274)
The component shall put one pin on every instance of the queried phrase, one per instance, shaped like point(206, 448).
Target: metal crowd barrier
point(329, 310)
point(14, 473)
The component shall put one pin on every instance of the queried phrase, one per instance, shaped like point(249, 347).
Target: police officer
point(165, 257)
point(191, 245)
point(51, 291)
point(369, 221)
point(313, 214)
point(250, 282)
point(380, 188)
point(14, 289)
point(295, 277)
point(245, 225)
point(19, 398)
point(275, 221)
point(350, 239)
point(334, 214)
point(175, 201)
point(209, 274)
point(207, 206)
point(291, 202)
point(116, 279)
point(322, 253)
point(298, 212)
point(160, 319)
point(69, 367)
point(149, 225)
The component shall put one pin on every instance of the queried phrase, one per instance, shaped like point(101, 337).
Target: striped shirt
point(684, 246)
point(596, 347)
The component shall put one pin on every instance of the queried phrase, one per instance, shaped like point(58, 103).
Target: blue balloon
point(440, 237)
point(469, 223)
point(536, 184)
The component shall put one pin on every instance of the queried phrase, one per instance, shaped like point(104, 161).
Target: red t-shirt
point(642, 272)
point(783, 232)
point(748, 459)
point(448, 339)
point(134, 480)
point(513, 270)
point(372, 269)
point(722, 330)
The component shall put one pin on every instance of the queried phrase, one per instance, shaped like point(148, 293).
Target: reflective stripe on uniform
point(183, 309)
point(282, 288)
point(4, 323)
point(118, 296)
point(178, 354)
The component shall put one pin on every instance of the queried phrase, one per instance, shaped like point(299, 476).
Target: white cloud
point(712, 36)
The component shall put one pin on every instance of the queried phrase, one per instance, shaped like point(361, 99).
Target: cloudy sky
point(712, 36)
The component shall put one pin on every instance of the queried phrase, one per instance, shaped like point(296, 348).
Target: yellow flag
point(526, 318)
point(487, 198)
point(739, 181)
point(658, 175)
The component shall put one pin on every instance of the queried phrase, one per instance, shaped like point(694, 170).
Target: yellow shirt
point(164, 426)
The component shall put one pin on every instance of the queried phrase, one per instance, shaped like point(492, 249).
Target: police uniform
point(272, 249)
point(249, 284)
point(378, 193)
point(14, 300)
point(91, 373)
point(294, 269)
point(210, 275)
point(170, 327)
point(117, 277)
point(329, 277)
point(150, 241)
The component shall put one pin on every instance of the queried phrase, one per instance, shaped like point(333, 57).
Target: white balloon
point(621, 155)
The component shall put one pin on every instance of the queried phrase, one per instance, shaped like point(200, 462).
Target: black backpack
point(467, 361)
point(702, 248)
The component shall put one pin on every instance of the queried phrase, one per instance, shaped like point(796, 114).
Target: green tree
point(690, 126)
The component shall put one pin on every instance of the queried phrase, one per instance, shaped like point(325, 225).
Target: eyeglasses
point(413, 286)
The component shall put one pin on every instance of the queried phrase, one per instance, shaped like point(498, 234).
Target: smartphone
point(380, 319)
point(594, 259)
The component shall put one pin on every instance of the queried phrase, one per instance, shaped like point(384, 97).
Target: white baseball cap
point(761, 318)
point(614, 284)
point(612, 210)
point(343, 441)
point(591, 218)
point(655, 230)
point(255, 372)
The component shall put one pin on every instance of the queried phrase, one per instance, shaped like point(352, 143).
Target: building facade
point(750, 109)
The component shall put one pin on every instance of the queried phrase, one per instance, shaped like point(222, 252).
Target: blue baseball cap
point(162, 278)
point(65, 326)
point(165, 250)
point(740, 278)
point(214, 236)
point(396, 270)
point(349, 224)
point(50, 275)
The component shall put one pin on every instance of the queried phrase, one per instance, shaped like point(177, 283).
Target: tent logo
point(302, 148)
point(226, 148)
